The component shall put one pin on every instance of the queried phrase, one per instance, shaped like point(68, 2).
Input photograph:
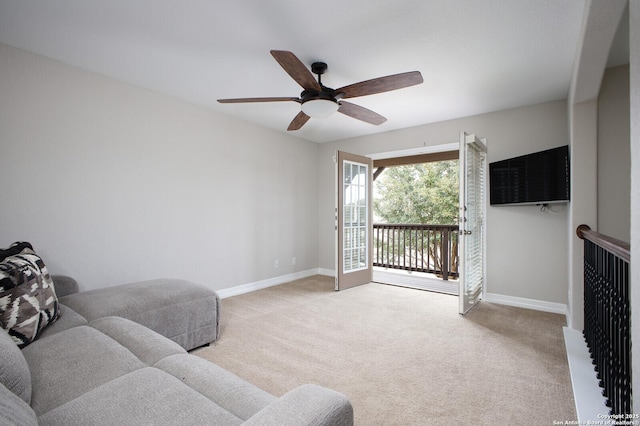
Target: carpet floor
point(402, 356)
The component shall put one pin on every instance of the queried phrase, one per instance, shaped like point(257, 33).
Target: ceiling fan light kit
point(319, 101)
point(319, 108)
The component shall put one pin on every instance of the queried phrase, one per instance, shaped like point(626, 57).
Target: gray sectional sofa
point(118, 356)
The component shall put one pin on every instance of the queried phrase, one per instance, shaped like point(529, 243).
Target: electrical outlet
point(293, 260)
point(277, 264)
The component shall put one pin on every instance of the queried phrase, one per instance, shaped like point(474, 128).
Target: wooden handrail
point(612, 245)
point(413, 226)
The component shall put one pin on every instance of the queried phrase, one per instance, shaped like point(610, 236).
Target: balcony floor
point(417, 280)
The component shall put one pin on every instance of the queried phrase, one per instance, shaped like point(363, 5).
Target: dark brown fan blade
point(298, 121)
point(242, 100)
point(361, 113)
point(381, 84)
point(296, 69)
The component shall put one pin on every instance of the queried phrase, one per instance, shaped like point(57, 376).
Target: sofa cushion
point(147, 345)
point(67, 318)
point(28, 301)
point(14, 371)
point(228, 390)
point(14, 411)
point(143, 397)
point(72, 362)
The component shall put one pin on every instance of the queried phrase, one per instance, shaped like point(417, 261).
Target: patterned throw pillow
point(28, 301)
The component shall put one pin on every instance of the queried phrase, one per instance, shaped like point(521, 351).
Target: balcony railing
point(414, 247)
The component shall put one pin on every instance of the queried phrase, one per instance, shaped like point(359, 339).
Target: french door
point(354, 220)
point(471, 238)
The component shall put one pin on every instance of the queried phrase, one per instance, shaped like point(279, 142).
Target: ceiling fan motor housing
point(319, 104)
point(327, 93)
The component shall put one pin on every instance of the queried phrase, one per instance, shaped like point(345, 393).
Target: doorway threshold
point(417, 280)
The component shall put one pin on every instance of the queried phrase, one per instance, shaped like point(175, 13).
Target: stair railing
point(607, 329)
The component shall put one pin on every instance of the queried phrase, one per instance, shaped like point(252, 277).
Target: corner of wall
point(584, 199)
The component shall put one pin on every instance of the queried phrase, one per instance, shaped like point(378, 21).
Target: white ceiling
point(476, 56)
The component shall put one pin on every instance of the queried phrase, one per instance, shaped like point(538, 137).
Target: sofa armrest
point(306, 405)
point(64, 285)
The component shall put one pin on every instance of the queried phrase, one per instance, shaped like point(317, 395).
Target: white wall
point(614, 164)
point(113, 183)
point(527, 249)
point(600, 24)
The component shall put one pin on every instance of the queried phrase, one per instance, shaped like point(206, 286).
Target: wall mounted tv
point(538, 178)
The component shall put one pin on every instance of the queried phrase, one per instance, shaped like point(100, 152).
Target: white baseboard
point(270, 282)
point(590, 404)
point(327, 272)
point(521, 302)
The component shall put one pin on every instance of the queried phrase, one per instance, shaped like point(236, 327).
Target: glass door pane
point(354, 219)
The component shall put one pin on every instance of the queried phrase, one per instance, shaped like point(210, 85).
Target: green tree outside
point(419, 193)
point(425, 194)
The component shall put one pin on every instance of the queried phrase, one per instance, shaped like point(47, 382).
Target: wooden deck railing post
point(444, 254)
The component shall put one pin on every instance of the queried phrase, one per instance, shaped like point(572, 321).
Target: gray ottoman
point(180, 310)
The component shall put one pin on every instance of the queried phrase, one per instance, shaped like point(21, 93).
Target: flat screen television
point(538, 178)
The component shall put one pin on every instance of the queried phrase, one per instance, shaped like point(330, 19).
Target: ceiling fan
point(319, 101)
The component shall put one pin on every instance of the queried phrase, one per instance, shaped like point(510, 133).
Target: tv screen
point(538, 178)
